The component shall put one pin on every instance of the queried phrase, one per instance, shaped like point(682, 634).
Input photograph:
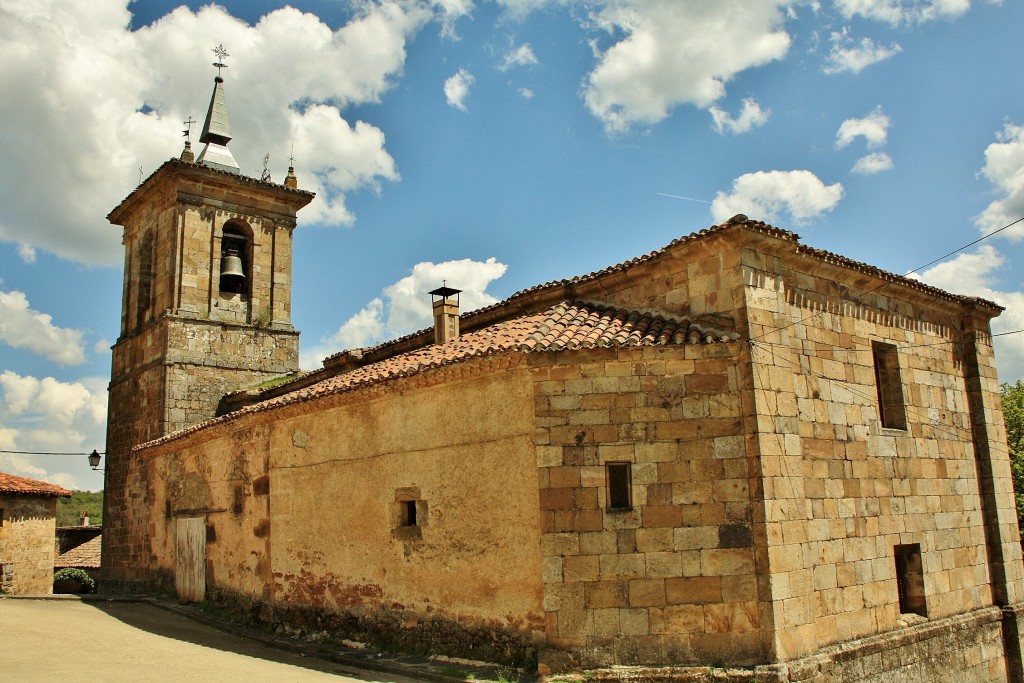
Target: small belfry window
point(891, 410)
point(910, 579)
point(620, 480)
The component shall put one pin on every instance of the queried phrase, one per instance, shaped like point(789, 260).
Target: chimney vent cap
point(444, 292)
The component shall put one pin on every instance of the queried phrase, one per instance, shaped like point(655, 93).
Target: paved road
point(65, 640)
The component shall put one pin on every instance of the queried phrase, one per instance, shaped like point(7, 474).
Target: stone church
point(736, 450)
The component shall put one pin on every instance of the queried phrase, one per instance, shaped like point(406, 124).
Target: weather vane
point(188, 127)
point(221, 54)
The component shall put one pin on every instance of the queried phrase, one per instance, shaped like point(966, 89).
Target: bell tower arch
point(206, 310)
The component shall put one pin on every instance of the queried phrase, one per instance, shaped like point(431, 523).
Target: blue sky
point(497, 144)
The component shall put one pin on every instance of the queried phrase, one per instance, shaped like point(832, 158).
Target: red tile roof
point(85, 556)
point(566, 325)
point(12, 484)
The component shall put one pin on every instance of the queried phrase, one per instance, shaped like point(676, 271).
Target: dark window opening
point(147, 275)
point(407, 513)
point(910, 579)
point(1, 517)
point(891, 409)
point(620, 480)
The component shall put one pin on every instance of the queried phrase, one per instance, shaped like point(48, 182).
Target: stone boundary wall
point(965, 648)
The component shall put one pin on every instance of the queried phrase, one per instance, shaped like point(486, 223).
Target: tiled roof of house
point(23, 485)
point(85, 556)
point(566, 325)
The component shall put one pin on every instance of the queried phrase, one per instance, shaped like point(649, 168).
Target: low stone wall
point(387, 629)
point(966, 648)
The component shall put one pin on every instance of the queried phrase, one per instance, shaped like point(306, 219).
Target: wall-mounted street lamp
point(94, 461)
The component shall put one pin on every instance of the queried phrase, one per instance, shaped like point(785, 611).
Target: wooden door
point(190, 565)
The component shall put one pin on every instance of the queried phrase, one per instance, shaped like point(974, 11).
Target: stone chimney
point(446, 313)
point(85, 518)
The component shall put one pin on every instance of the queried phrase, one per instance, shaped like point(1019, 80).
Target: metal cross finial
point(291, 157)
point(221, 54)
point(188, 127)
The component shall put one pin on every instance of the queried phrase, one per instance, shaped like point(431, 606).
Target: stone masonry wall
point(672, 580)
point(841, 490)
point(27, 541)
point(304, 519)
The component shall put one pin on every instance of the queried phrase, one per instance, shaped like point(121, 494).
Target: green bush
point(72, 580)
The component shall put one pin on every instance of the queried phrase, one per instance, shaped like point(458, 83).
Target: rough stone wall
point(673, 579)
point(27, 542)
point(183, 345)
point(841, 491)
point(303, 509)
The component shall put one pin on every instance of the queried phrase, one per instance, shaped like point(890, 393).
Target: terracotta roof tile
point(12, 484)
point(85, 556)
point(566, 325)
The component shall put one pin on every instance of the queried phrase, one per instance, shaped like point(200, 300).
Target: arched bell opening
point(236, 260)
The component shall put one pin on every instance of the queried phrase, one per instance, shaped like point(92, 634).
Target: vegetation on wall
point(69, 510)
point(72, 580)
point(1013, 413)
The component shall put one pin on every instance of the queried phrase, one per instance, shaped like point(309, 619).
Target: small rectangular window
point(1, 517)
point(910, 579)
point(891, 409)
point(407, 513)
point(620, 480)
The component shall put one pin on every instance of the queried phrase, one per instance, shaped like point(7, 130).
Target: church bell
point(231, 265)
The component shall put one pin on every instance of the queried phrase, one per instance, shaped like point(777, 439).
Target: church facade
point(736, 450)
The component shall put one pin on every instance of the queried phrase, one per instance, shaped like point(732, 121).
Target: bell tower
point(205, 310)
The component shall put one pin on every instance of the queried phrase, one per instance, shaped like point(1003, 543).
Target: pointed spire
point(216, 131)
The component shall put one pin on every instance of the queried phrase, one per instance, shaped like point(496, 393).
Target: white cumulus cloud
point(404, 307)
point(751, 116)
point(852, 56)
point(24, 328)
point(974, 274)
point(876, 162)
point(51, 416)
point(672, 53)
point(456, 88)
point(896, 12)
point(1004, 168)
point(79, 102)
point(518, 56)
point(874, 128)
point(771, 195)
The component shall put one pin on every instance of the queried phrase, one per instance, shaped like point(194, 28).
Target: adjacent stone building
point(28, 519)
point(736, 450)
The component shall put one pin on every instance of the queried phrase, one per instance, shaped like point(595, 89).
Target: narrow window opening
point(620, 480)
point(910, 579)
point(1, 517)
point(407, 513)
point(891, 409)
point(147, 275)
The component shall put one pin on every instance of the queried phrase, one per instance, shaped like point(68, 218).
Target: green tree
point(69, 510)
point(1013, 413)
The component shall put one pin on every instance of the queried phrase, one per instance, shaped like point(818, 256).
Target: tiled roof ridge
point(360, 357)
point(466, 319)
point(868, 269)
point(565, 325)
point(10, 483)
